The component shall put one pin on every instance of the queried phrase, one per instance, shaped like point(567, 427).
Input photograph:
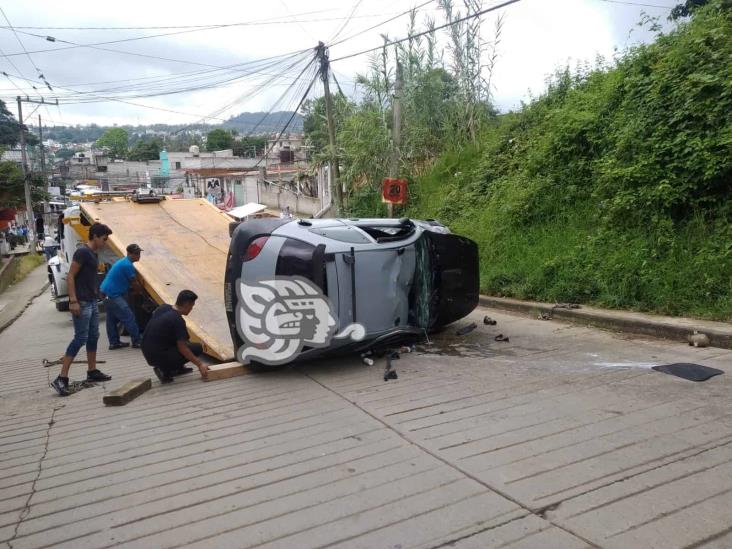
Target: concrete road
point(563, 437)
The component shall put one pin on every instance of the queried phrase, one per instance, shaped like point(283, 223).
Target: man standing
point(165, 343)
point(115, 287)
point(82, 287)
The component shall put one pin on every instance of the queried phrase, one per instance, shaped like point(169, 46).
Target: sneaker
point(136, 345)
point(121, 345)
point(182, 371)
point(162, 376)
point(61, 386)
point(96, 375)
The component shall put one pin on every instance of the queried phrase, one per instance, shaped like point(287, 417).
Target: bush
point(613, 188)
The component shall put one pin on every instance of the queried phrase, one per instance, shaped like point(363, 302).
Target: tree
point(116, 140)
point(12, 187)
point(249, 146)
point(9, 127)
point(219, 139)
point(146, 150)
point(686, 9)
point(65, 154)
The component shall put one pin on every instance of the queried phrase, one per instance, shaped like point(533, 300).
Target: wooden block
point(126, 393)
point(226, 370)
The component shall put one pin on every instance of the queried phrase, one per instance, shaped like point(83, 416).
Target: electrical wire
point(74, 45)
point(429, 31)
point(345, 23)
point(638, 4)
point(402, 14)
point(254, 67)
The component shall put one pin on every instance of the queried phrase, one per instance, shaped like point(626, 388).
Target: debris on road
point(698, 339)
point(691, 372)
point(550, 315)
point(488, 321)
point(389, 372)
point(48, 363)
point(501, 337)
point(466, 329)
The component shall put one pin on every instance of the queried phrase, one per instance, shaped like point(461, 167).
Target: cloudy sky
point(218, 58)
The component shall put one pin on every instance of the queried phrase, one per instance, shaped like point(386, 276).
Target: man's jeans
point(86, 329)
point(118, 310)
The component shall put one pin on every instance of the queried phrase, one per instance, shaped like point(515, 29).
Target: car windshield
point(388, 233)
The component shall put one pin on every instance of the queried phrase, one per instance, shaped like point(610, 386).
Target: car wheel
point(60, 305)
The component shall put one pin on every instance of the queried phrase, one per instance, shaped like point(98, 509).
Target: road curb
point(677, 329)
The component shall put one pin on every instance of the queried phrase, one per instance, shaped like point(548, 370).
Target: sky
point(219, 58)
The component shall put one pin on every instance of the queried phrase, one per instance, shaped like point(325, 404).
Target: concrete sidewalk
point(665, 327)
point(15, 299)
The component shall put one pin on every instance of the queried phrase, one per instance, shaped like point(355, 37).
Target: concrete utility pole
point(396, 130)
point(43, 154)
point(26, 168)
point(336, 191)
point(26, 177)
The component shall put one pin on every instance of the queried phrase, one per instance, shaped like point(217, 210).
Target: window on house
point(177, 165)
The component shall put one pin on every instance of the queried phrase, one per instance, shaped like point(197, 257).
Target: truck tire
point(60, 305)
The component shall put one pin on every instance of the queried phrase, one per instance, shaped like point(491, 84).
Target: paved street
point(563, 437)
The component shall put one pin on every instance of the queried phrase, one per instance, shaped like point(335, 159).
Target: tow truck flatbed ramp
point(185, 243)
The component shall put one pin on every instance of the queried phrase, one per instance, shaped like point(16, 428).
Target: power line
point(359, 33)
point(170, 27)
point(74, 45)
point(429, 31)
point(38, 71)
point(242, 67)
point(345, 24)
point(638, 4)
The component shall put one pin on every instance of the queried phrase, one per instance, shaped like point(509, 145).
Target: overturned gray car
point(297, 290)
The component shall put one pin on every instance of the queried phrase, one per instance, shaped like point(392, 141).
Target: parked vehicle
point(73, 231)
point(396, 278)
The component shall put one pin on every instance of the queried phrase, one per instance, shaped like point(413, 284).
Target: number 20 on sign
point(394, 191)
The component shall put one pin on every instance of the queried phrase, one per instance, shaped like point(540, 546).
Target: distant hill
point(256, 123)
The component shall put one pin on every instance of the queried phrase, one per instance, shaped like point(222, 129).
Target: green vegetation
point(116, 140)
point(219, 139)
point(613, 188)
point(27, 264)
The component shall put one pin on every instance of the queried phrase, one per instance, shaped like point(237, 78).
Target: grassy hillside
point(614, 188)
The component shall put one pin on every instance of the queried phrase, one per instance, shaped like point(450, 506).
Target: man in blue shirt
point(115, 287)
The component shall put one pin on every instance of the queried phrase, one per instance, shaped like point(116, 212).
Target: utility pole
point(336, 191)
point(26, 177)
point(26, 168)
point(43, 155)
point(396, 130)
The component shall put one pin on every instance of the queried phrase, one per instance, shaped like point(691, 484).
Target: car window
point(298, 258)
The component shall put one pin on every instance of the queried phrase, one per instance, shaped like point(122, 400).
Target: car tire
point(60, 305)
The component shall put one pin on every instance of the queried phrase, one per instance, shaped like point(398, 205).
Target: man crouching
point(165, 343)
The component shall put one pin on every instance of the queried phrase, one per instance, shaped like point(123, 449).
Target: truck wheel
point(60, 305)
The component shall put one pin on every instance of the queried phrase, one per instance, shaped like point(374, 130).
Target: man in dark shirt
point(82, 286)
point(165, 343)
